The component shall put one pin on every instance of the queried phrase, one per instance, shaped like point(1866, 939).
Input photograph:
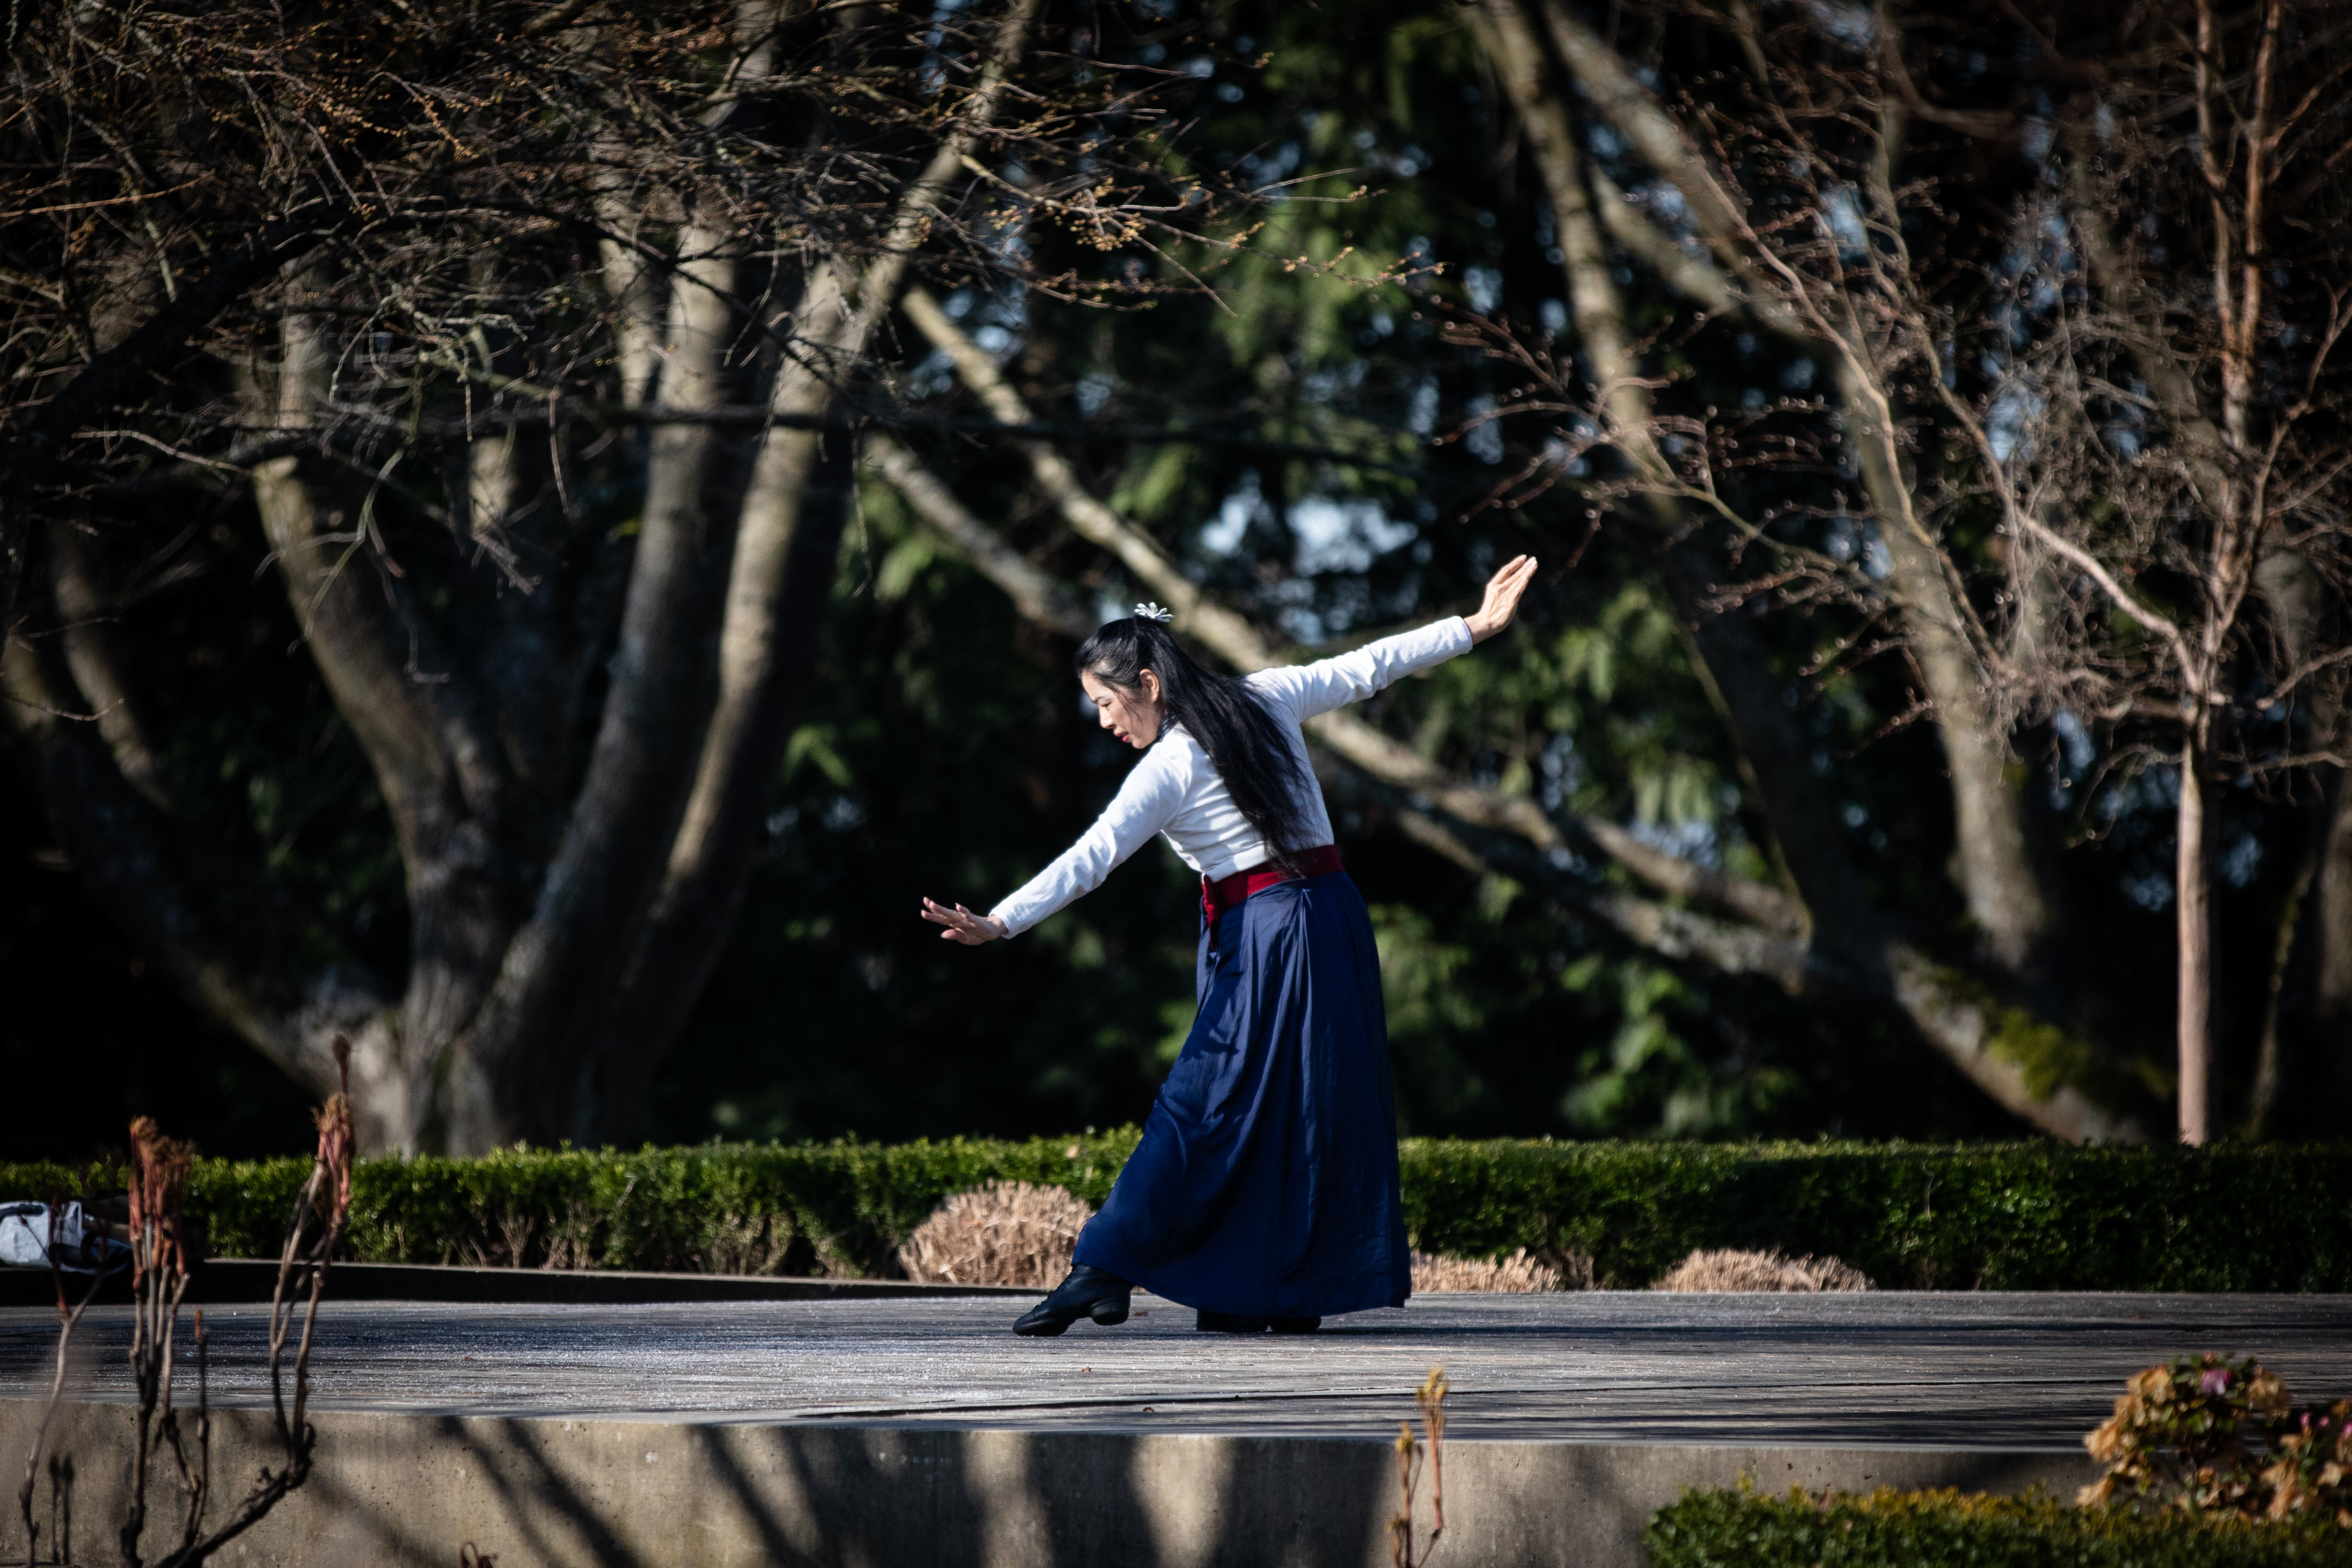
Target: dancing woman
point(1265, 1192)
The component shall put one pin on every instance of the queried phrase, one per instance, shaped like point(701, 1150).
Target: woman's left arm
point(1307, 690)
point(1151, 793)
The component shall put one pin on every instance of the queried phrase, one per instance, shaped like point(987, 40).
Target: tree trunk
point(2005, 892)
point(562, 966)
point(2194, 925)
point(416, 715)
point(87, 611)
point(2266, 1097)
point(780, 579)
point(1804, 840)
point(1996, 869)
point(708, 874)
point(1993, 860)
point(2299, 604)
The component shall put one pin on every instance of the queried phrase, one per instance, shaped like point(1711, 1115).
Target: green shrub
point(1975, 1216)
point(834, 1208)
point(2003, 1216)
point(1891, 1529)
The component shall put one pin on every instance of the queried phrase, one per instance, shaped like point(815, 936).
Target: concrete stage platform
point(918, 1431)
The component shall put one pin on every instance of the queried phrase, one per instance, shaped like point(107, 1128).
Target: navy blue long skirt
point(1267, 1180)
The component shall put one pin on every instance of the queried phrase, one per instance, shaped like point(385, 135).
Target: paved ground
point(2006, 1371)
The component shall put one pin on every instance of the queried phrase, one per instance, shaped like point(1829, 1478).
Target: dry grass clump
point(1006, 1233)
point(1516, 1272)
point(1731, 1270)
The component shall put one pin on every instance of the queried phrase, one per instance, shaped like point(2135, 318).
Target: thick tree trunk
point(1995, 868)
point(415, 715)
point(546, 1021)
point(2299, 605)
point(1805, 840)
point(1779, 764)
point(1994, 861)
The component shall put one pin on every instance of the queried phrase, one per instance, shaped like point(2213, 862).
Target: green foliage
point(1974, 1216)
point(836, 1209)
point(2015, 1217)
point(1891, 1529)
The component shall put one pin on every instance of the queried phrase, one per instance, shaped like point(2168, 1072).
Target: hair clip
point(1154, 612)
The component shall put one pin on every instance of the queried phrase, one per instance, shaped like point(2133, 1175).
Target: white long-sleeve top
point(1175, 789)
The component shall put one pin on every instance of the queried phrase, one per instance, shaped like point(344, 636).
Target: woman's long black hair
point(1246, 744)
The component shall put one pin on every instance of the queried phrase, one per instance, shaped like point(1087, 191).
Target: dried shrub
point(2186, 1435)
point(1517, 1272)
point(748, 1244)
point(1005, 1233)
point(2206, 1435)
point(1729, 1269)
point(2310, 1472)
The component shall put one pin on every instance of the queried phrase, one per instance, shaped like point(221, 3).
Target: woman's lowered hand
point(962, 925)
point(1503, 591)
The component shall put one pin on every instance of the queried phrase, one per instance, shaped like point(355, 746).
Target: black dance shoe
point(1085, 1293)
point(1296, 1325)
point(1229, 1323)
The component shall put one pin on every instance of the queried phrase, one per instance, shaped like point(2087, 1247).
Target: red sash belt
point(1218, 896)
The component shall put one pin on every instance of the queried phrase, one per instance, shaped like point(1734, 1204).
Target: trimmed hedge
point(1889, 1529)
point(1972, 1217)
point(1996, 1216)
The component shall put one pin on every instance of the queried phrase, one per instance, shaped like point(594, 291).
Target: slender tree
point(2078, 478)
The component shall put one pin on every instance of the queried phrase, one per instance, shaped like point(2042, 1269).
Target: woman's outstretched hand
point(962, 925)
point(1503, 591)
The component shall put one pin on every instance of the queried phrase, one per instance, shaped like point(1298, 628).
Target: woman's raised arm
point(1307, 690)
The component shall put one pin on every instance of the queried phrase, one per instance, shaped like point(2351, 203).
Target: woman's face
point(1132, 713)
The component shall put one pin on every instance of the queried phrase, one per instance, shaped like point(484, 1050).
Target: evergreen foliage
point(2007, 1217)
point(1890, 1529)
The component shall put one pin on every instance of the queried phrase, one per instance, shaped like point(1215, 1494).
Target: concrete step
point(918, 1431)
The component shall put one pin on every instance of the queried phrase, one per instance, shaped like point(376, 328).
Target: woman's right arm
point(1145, 802)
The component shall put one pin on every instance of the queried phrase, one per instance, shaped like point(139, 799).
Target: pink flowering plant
point(2209, 1434)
